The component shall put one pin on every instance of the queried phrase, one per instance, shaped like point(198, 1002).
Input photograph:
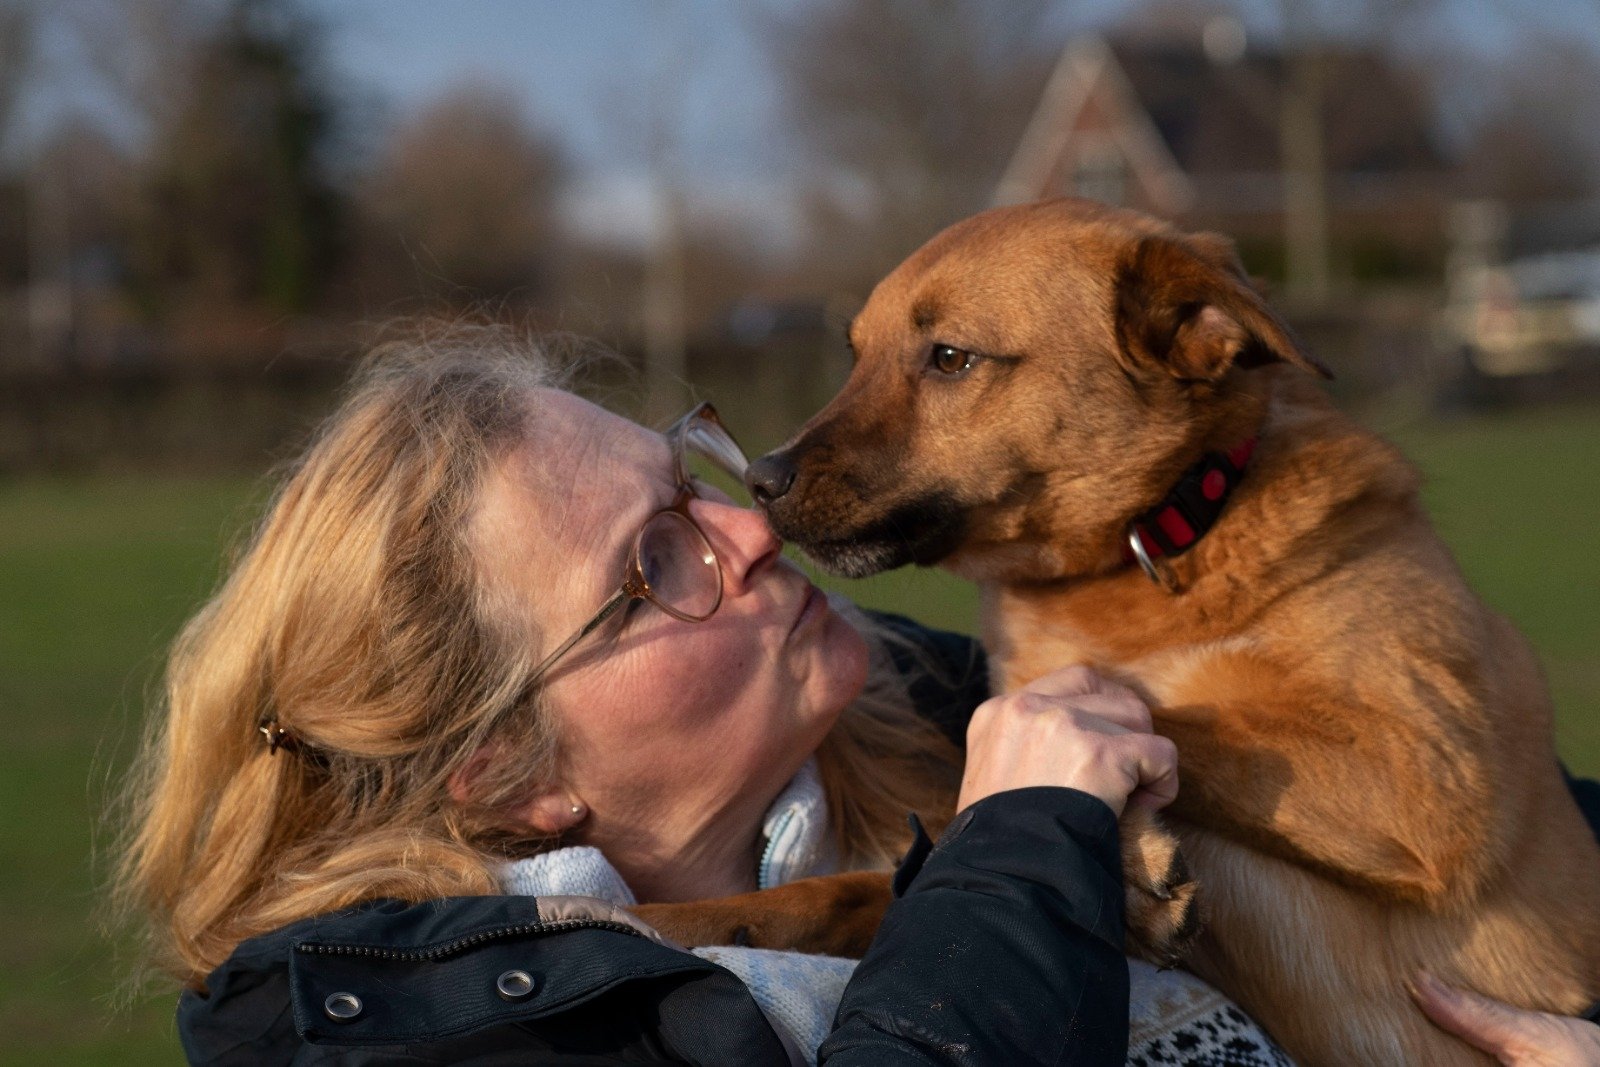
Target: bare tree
point(16, 54)
point(909, 107)
point(92, 175)
point(1315, 39)
point(1304, 157)
point(664, 287)
point(241, 205)
point(1538, 140)
point(1310, 29)
point(145, 53)
point(17, 18)
point(461, 201)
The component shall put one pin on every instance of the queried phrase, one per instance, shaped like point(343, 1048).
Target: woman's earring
point(577, 809)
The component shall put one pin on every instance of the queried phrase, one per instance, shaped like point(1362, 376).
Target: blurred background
point(208, 208)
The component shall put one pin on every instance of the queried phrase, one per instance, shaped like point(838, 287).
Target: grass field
point(95, 576)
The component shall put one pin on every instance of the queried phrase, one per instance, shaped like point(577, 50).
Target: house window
point(1100, 173)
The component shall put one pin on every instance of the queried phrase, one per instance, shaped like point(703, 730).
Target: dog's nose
point(769, 477)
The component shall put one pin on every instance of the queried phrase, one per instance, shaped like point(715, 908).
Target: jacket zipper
point(764, 872)
point(461, 944)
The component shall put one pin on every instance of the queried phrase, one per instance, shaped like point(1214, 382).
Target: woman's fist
point(1070, 728)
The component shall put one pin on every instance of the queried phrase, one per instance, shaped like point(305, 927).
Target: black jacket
point(1003, 947)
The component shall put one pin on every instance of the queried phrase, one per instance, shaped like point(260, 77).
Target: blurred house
point(1192, 128)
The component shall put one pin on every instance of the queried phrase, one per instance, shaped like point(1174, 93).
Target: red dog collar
point(1193, 506)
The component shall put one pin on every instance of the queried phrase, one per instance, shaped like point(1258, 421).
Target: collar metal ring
point(1136, 544)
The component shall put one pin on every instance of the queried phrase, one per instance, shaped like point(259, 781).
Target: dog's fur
point(1369, 784)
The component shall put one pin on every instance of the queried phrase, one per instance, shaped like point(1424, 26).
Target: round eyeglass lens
point(679, 566)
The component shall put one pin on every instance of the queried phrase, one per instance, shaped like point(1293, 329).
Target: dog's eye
point(952, 361)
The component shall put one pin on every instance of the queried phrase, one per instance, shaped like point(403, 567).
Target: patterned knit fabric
point(1176, 1020)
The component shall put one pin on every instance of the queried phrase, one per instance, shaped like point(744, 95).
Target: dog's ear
point(1186, 305)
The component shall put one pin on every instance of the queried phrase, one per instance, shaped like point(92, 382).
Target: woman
point(427, 669)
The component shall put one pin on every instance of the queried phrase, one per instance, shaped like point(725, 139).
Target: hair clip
point(276, 736)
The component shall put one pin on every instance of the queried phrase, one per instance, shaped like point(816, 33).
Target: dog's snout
point(769, 477)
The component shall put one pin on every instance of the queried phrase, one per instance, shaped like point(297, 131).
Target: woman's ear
point(553, 812)
point(549, 811)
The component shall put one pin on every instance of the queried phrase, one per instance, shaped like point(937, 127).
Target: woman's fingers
point(1066, 682)
point(1124, 709)
point(1106, 712)
point(1096, 742)
point(1514, 1036)
point(1090, 691)
point(1099, 703)
point(1478, 1021)
point(1158, 772)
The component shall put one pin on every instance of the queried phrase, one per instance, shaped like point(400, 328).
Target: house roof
point(1089, 75)
point(1182, 118)
point(1217, 118)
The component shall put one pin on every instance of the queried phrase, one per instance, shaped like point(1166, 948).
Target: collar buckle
point(1186, 514)
point(1158, 571)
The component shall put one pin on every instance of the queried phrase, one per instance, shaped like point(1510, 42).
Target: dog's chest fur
point(1030, 633)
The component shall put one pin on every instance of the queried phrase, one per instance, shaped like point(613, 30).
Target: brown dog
point(1369, 780)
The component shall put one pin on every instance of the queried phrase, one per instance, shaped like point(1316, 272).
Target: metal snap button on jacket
point(515, 985)
point(342, 1007)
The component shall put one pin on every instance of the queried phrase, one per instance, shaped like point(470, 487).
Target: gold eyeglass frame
point(701, 430)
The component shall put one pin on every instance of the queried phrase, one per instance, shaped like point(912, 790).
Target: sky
point(593, 67)
point(598, 73)
point(601, 74)
point(590, 69)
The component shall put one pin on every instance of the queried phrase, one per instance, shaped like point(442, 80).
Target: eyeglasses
point(673, 565)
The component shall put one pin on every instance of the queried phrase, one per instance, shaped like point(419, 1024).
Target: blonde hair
point(354, 620)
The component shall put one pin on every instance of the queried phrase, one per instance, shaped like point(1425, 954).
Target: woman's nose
point(741, 539)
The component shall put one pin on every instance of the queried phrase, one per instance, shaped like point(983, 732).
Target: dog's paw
point(1163, 900)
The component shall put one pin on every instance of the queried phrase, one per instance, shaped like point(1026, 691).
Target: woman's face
point(663, 723)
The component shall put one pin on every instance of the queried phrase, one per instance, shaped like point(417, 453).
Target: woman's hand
point(1070, 728)
point(1514, 1036)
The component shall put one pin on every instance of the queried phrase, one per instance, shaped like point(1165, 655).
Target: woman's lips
point(812, 604)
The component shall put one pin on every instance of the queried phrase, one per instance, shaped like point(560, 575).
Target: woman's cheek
point(717, 690)
point(842, 668)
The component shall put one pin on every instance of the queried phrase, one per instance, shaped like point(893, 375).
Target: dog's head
point(1025, 384)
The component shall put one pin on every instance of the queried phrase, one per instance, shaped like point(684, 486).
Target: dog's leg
point(836, 915)
point(1163, 906)
point(1410, 816)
